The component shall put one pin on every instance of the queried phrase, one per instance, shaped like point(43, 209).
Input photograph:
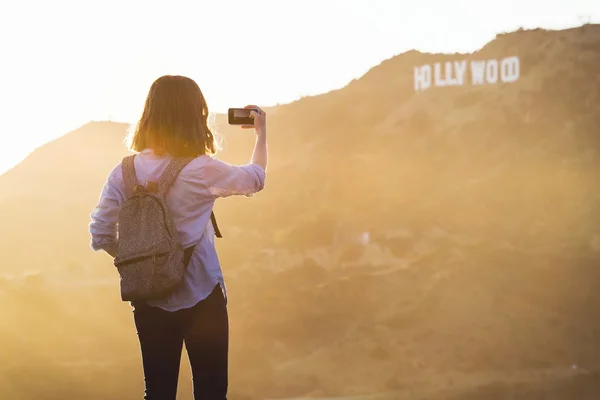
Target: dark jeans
point(205, 330)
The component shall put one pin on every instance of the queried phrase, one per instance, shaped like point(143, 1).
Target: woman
point(174, 124)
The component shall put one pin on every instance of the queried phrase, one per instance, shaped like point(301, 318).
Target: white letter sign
point(423, 77)
point(483, 72)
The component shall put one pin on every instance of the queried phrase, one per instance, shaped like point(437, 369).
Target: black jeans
point(205, 330)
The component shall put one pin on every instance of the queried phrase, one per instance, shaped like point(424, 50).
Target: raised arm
point(260, 154)
point(226, 180)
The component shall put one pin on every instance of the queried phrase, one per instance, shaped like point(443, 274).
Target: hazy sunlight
point(68, 62)
point(427, 226)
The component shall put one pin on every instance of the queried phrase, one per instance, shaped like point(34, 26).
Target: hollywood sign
point(454, 73)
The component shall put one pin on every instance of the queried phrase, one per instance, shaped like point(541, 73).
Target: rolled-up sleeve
point(223, 179)
point(104, 217)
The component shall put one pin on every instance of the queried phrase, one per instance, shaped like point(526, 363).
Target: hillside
point(481, 273)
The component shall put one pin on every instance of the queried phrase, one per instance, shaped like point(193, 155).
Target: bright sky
point(65, 63)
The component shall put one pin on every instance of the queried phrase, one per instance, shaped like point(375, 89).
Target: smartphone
point(240, 116)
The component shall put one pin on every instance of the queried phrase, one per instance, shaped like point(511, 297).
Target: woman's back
point(192, 195)
point(190, 200)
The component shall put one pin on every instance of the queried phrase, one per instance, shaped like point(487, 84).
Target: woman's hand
point(260, 120)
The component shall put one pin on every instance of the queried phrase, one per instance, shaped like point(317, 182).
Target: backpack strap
point(130, 181)
point(171, 172)
point(213, 220)
point(168, 177)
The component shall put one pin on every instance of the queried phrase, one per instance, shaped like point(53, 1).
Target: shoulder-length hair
point(174, 120)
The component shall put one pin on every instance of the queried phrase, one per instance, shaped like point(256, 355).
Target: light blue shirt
point(190, 200)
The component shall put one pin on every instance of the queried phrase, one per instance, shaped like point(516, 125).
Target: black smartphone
point(240, 116)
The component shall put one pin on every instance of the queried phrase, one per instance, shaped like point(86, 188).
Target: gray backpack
point(150, 257)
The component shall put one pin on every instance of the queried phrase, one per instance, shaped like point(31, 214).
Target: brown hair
point(175, 119)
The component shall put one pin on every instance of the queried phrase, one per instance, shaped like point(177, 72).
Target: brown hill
point(482, 206)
